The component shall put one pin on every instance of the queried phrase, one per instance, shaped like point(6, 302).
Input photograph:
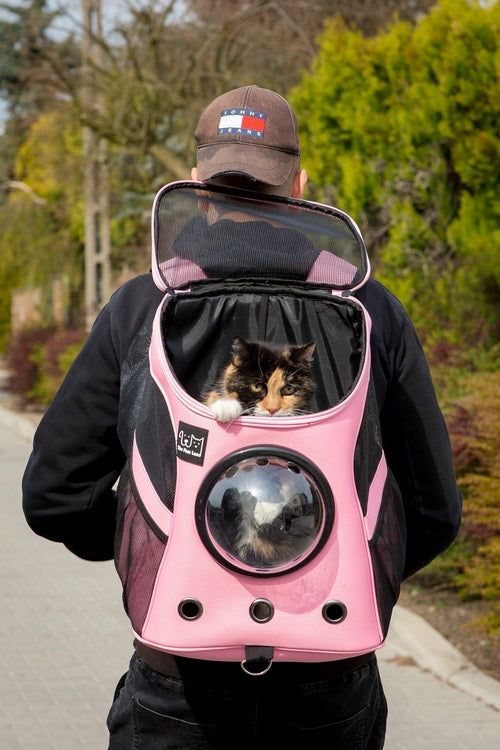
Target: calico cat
point(263, 381)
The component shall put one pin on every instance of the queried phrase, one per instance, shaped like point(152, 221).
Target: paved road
point(64, 642)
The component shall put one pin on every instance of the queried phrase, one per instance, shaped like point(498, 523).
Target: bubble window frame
point(296, 518)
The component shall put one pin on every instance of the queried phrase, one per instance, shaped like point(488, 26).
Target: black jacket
point(85, 436)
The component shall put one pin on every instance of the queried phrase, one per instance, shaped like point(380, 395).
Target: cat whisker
point(298, 412)
point(241, 414)
point(260, 366)
point(248, 411)
point(298, 370)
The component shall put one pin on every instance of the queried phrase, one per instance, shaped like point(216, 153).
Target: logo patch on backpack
point(191, 443)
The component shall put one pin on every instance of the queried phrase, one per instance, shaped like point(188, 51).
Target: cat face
point(270, 382)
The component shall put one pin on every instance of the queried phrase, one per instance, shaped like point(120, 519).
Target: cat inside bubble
point(264, 381)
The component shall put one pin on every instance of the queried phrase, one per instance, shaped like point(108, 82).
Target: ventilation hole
point(334, 612)
point(261, 610)
point(190, 609)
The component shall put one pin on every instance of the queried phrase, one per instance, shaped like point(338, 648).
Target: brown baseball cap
point(250, 131)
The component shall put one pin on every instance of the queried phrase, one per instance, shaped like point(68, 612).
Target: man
point(246, 137)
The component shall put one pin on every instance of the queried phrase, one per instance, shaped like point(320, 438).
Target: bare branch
point(19, 185)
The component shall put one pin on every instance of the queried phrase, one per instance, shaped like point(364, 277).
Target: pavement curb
point(410, 635)
point(17, 423)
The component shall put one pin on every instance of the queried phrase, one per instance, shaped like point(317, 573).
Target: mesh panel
point(388, 551)
point(138, 559)
point(212, 232)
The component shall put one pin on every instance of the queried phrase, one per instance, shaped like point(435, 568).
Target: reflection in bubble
point(264, 512)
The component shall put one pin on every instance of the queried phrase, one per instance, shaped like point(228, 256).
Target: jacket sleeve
point(414, 434)
point(68, 482)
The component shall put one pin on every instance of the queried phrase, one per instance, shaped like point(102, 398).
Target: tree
point(29, 84)
point(403, 131)
point(164, 60)
point(363, 15)
point(160, 62)
point(42, 228)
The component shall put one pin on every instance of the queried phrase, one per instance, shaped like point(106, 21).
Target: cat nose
point(272, 409)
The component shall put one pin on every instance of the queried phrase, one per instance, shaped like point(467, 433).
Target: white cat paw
point(226, 409)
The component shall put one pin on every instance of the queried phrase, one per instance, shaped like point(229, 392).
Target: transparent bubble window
point(264, 511)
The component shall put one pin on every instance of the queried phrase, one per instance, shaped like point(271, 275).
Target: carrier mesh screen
point(201, 231)
point(388, 551)
point(138, 555)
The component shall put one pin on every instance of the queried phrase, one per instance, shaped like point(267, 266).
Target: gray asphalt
point(65, 641)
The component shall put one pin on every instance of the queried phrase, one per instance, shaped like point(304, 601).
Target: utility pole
point(96, 189)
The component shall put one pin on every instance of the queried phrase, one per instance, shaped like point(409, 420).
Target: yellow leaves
point(49, 159)
point(49, 163)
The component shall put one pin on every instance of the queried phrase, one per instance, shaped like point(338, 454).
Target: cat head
point(271, 381)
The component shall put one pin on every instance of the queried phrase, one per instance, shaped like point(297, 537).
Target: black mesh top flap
point(202, 231)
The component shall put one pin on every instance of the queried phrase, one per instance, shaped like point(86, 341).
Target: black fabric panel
point(368, 448)
point(199, 327)
point(156, 442)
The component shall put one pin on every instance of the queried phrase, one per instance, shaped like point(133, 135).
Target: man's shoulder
point(392, 326)
point(130, 309)
point(378, 300)
point(139, 293)
point(137, 285)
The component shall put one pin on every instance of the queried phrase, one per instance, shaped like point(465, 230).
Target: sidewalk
point(65, 641)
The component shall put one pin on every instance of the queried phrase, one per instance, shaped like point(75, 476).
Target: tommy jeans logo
point(242, 122)
point(191, 443)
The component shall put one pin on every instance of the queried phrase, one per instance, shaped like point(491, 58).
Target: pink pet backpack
point(280, 271)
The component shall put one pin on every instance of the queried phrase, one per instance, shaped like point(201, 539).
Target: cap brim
point(260, 163)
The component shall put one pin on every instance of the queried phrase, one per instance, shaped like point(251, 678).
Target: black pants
point(154, 712)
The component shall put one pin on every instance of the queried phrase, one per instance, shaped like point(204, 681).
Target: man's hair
point(242, 182)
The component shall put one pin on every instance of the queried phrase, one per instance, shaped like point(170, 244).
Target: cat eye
point(257, 387)
point(287, 390)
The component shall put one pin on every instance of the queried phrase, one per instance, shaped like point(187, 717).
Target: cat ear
point(240, 347)
point(304, 353)
point(239, 344)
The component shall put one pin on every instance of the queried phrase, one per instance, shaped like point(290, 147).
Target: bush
point(38, 360)
point(472, 564)
point(401, 131)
